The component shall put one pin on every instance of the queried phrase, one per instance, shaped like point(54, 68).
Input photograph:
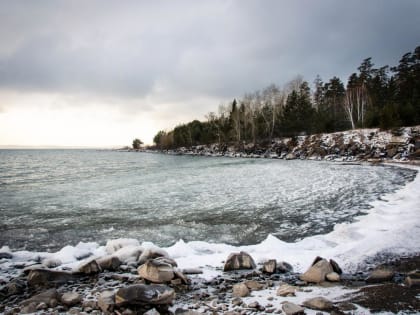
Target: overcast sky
point(99, 73)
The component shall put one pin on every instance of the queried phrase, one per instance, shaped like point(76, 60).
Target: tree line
point(384, 97)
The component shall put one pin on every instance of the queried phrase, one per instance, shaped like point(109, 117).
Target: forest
point(384, 97)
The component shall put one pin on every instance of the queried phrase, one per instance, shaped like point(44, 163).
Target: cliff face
point(359, 144)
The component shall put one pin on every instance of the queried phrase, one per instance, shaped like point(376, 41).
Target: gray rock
point(156, 271)
point(319, 303)
point(179, 275)
point(284, 267)
point(237, 261)
point(292, 309)
point(336, 267)
point(192, 271)
point(270, 266)
point(412, 280)
point(106, 301)
point(240, 290)
point(254, 285)
point(286, 290)
point(89, 267)
point(71, 298)
point(49, 297)
point(380, 275)
point(109, 262)
point(28, 309)
point(46, 276)
point(317, 272)
point(142, 294)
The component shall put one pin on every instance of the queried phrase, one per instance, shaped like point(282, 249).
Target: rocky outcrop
point(237, 261)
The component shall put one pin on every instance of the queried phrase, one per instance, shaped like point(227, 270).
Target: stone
point(270, 266)
point(51, 262)
point(284, 267)
point(151, 253)
point(28, 309)
point(156, 271)
point(412, 280)
point(317, 272)
point(89, 267)
point(109, 262)
point(106, 301)
point(152, 311)
point(319, 303)
point(290, 156)
point(336, 267)
point(240, 290)
point(254, 304)
point(71, 298)
point(237, 261)
point(142, 294)
point(166, 260)
point(254, 285)
point(333, 277)
point(380, 274)
point(48, 297)
point(179, 275)
point(292, 309)
point(14, 287)
point(236, 301)
point(192, 271)
point(286, 290)
point(46, 277)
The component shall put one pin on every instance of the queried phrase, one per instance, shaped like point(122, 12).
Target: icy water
point(51, 198)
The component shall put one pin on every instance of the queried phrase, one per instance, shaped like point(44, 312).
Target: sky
point(101, 73)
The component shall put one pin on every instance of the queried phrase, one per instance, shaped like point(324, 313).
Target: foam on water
point(392, 226)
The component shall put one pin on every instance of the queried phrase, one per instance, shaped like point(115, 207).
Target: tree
point(137, 144)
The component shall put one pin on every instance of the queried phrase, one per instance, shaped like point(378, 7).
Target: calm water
point(52, 198)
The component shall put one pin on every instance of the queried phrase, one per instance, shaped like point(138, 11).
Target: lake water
point(52, 198)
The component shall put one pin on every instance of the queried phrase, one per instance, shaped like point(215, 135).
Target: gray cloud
point(186, 51)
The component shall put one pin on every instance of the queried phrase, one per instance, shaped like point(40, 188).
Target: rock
point(412, 280)
point(286, 290)
point(270, 266)
point(106, 301)
point(254, 285)
point(109, 262)
point(335, 267)
point(156, 271)
point(114, 245)
point(254, 304)
point(89, 267)
point(179, 275)
point(292, 309)
point(46, 276)
point(14, 287)
point(192, 271)
point(51, 262)
point(166, 260)
point(152, 253)
point(28, 309)
point(153, 311)
point(141, 294)
point(237, 261)
point(333, 277)
point(4, 255)
point(317, 272)
point(290, 156)
point(319, 303)
point(71, 298)
point(236, 301)
point(49, 297)
point(284, 267)
point(240, 290)
point(41, 306)
point(380, 275)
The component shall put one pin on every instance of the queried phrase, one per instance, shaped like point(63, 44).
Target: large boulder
point(142, 294)
point(44, 277)
point(317, 272)
point(237, 261)
point(319, 303)
point(270, 266)
point(240, 290)
point(156, 271)
point(89, 267)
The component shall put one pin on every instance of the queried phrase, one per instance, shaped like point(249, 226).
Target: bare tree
point(355, 105)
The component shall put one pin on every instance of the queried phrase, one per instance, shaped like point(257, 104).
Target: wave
point(391, 226)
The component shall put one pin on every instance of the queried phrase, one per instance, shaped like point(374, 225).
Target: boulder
point(106, 301)
point(254, 285)
point(46, 277)
point(412, 280)
point(380, 274)
point(240, 290)
point(317, 272)
point(49, 297)
point(151, 253)
point(179, 275)
point(319, 303)
point(335, 266)
point(142, 294)
point(270, 266)
point(286, 290)
point(192, 271)
point(156, 271)
point(71, 298)
point(109, 262)
point(292, 309)
point(89, 267)
point(284, 267)
point(333, 277)
point(237, 261)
